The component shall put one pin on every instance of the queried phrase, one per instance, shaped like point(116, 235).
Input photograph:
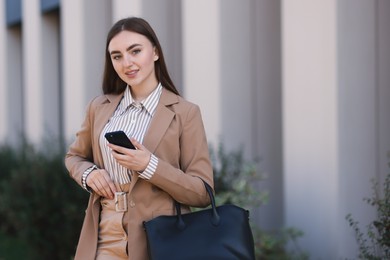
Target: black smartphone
point(119, 138)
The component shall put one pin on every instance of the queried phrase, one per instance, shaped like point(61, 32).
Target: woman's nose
point(127, 61)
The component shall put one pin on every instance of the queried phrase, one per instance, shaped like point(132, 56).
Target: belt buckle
point(120, 201)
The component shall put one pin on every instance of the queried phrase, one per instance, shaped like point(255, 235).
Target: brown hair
point(112, 83)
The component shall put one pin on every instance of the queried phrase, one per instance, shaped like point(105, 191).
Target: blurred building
point(302, 84)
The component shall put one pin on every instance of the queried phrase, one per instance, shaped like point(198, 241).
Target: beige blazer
point(176, 136)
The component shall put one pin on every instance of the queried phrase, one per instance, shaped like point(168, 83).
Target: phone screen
point(119, 138)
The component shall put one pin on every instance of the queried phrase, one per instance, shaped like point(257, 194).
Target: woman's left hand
point(136, 160)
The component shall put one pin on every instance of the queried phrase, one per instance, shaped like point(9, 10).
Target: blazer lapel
point(161, 120)
point(158, 126)
point(102, 114)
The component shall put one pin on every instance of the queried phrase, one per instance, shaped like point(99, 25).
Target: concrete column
point(202, 61)
point(73, 68)
point(3, 74)
point(265, 106)
point(124, 8)
point(165, 18)
point(13, 86)
point(94, 51)
point(32, 70)
point(42, 73)
point(83, 56)
point(361, 116)
point(51, 86)
point(310, 121)
point(383, 54)
point(14, 83)
point(236, 74)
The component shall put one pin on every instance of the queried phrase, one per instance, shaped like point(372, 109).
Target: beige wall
point(302, 85)
point(334, 91)
point(11, 77)
point(310, 122)
point(202, 62)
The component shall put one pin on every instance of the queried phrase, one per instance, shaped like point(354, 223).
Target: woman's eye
point(136, 51)
point(116, 57)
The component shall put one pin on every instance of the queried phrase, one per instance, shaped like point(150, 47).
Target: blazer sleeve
point(184, 184)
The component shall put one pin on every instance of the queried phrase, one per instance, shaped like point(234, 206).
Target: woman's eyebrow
point(114, 52)
point(127, 49)
point(133, 46)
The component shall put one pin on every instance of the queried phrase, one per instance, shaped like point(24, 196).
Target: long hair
point(112, 83)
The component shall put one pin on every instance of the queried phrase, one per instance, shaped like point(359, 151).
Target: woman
point(129, 186)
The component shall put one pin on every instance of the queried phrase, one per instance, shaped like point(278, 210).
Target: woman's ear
point(155, 54)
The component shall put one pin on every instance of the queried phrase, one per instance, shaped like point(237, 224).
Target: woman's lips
point(132, 73)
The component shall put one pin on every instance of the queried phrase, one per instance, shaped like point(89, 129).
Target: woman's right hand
point(100, 182)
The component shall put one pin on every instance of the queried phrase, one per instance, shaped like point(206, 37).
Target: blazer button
point(132, 203)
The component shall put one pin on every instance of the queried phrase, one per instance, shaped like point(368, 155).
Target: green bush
point(40, 205)
point(235, 182)
point(374, 244)
point(8, 160)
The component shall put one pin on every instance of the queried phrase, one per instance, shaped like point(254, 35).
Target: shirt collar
point(149, 103)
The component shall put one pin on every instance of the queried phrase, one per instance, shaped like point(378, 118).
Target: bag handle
point(215, 219)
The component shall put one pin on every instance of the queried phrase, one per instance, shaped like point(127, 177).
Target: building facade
point(303, 85)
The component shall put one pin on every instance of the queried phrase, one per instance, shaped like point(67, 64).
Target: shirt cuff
point(147, 174)
point(85, 175)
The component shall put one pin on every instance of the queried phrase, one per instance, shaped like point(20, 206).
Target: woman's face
point(133, 57)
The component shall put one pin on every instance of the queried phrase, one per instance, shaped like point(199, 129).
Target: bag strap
point(215, 216)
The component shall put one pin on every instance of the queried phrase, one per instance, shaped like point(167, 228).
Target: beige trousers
point(112, 241)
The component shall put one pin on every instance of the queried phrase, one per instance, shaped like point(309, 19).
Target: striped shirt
point(133, 119)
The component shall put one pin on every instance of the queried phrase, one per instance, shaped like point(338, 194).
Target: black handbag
point(215, 233)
